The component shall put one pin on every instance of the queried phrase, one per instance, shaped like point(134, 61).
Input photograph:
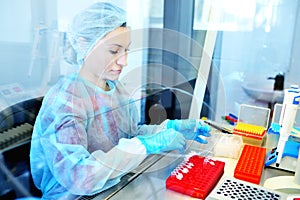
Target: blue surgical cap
point(90, 25)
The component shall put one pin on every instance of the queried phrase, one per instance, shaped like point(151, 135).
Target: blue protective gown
point(83, 139)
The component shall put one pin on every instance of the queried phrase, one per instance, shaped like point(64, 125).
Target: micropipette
point(287, 118)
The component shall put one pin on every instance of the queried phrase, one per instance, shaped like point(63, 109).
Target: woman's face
point(108, 57)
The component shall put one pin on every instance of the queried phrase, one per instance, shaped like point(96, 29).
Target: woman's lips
point(117, 71)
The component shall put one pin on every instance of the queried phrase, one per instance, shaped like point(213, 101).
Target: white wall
point(293, 72)
point(15, 20)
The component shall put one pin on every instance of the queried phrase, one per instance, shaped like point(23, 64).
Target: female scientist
point(86, 135)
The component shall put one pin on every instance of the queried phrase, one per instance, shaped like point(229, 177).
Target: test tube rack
point(232, 189)
point(196, 176)
point(15, 136)
point(250, 164)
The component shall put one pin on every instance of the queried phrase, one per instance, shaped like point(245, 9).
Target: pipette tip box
point(252, 124)
point(251, 134)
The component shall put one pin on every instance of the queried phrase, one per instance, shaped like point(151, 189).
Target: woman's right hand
point(166, 140)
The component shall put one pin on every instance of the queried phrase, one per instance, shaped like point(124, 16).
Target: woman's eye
point(113, 52)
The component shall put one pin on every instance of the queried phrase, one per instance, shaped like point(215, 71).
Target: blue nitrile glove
point(191, 129)
point(166, 140)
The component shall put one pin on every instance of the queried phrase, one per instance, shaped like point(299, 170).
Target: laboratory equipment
point(279, 81)
point(40, 32)
point(273, 130)
point(252, 124)
point(287, 118)
point(290, 152)
point(231, 188)
point(196, 176)
point(50, 77)
point(288, 184)
point(250, 130)
point(229, 146)
point(231, 119)
point(250, 164)
point(218, 126)
point(14, 147)
point(15, 136)
point(288, 144)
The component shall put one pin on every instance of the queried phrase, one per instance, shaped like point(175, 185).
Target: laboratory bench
point(148, 181)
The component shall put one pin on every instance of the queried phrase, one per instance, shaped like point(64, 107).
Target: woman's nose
point(122, 60)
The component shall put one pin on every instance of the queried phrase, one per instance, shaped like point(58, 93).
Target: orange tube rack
point(250, 164)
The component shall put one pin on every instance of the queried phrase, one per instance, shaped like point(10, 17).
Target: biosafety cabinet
point(188, 59)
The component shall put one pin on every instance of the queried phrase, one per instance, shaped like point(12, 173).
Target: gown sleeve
point(64, 143)
point(83, 173)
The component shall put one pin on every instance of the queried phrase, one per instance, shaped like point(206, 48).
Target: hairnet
point(89, 26)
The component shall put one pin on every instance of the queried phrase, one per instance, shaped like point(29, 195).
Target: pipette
point(287, 118)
